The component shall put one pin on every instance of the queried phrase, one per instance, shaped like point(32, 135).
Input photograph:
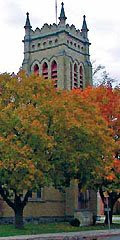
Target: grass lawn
point(29, 229)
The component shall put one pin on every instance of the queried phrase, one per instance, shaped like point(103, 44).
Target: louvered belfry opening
point(45, 70)
point(81, 77)
point(54, 72)
point(36, 69)
point(70, 75)
point(75, 76)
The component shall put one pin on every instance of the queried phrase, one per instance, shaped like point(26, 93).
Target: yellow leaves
point(37, 126)
point(25, 151)
point(10, 137)
point(1, 139)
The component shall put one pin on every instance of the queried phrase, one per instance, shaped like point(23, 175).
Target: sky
point(103, 20)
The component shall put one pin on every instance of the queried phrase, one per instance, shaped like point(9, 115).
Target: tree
point(101, 77)
point(108, 100)
point(89, 137)
point(22, 130)
point(47, 137)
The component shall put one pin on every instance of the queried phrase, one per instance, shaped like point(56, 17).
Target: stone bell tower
point(60, 52)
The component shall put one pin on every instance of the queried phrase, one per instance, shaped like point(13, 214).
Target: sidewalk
point(85, 235)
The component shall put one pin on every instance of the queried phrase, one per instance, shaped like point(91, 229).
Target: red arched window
point(36, 69)
point(81, 77)
point(75, 76)
point(54, 72)
point(45, 70)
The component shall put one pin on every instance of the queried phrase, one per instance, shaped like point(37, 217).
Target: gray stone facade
point(63, 45)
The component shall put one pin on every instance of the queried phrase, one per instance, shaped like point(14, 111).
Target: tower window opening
point(75, 76)
point(81, 77)
point(38, 44)
point(54, 72)
point(56, 40)
point(33, 46)
point(45, 70)
point(36, 69)
point(44, 43)
point(50, 42)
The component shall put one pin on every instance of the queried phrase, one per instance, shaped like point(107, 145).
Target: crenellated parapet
point(55, 29)
point(48, 30)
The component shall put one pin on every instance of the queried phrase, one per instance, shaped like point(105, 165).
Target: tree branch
point(6, 199)
point(27, 195)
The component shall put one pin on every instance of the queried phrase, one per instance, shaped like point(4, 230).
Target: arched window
point(45, 70)
point(83, 199)
point(54, 72)
point(75, 76)
point(81, 77)
point(70, 75)
point(36, 69)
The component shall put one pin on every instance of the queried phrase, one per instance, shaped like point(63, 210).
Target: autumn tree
point(108, 181)
point(47, 138)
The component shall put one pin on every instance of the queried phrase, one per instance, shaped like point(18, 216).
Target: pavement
point(84, 235)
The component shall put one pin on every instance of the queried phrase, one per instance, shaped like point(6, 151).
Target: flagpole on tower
point(56, 10)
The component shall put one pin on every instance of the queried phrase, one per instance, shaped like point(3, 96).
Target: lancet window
point(36, 69)
point(54, 72)
point(75, 76)
point(81, 77)
point(70, 75)
point(45, 70)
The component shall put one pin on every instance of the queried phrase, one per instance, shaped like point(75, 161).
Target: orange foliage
point(108, 101)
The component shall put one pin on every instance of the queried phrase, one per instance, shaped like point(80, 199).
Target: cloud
point(14, 14)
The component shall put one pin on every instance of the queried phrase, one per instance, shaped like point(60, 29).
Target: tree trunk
point(19, 218)
point(17, 205)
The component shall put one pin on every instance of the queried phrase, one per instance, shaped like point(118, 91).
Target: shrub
point(75, 222)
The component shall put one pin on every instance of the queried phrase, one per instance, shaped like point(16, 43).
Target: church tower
point(59, 52)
